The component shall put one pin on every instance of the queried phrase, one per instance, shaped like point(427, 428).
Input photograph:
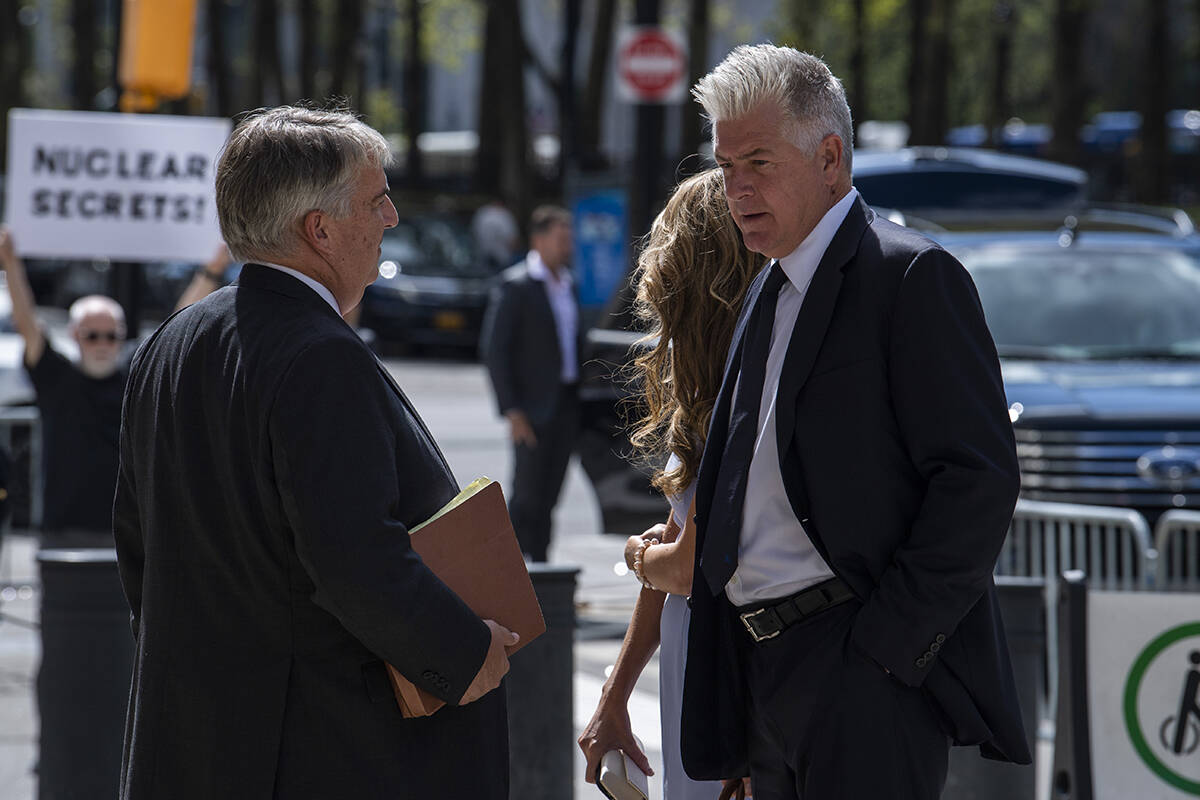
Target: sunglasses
point(96, 336)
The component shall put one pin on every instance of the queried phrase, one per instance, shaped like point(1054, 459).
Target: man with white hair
point(80, 407)
point(858, 480)
point(270, 472)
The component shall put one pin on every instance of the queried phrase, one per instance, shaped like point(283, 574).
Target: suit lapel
point(813, 320)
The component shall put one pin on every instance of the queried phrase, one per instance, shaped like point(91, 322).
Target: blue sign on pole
point(601, 247)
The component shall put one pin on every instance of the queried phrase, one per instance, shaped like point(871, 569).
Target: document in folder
point(471, 546)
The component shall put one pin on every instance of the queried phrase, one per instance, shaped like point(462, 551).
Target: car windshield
point(1089, 304)
point(429, 246)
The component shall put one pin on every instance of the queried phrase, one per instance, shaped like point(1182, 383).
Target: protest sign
point(128, 187)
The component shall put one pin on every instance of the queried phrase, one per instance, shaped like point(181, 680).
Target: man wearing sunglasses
point(80, 406)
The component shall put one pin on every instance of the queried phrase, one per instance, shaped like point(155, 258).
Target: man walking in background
point(270, 472)
point(530, 344)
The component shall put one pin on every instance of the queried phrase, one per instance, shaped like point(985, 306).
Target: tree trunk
point(347, 52)
point(1067, 89)
point(918, 74)
point(415, 84)
point(1003, 23)
point(218, 59)
point(83, 73)
point(691, 122)
point(267, 75)
point(939, 65)
point(501, 159)
point(590, 122)
point(1153, 172)
point(859, 106)
point(306, 12)
point(14, 60)
point(568, 92)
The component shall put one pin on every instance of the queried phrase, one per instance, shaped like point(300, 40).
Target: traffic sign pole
point(651, 68)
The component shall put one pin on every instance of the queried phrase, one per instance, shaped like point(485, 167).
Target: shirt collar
point(311, 283)
point(540, 272)
point(800, 264)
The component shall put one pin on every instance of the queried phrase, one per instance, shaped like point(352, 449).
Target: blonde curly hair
point(691, 279)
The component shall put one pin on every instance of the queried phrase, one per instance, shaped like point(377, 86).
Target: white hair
point(95, 304)
point(281, 163)
point(799, 84)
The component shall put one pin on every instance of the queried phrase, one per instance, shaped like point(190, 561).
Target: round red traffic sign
point(651, 64)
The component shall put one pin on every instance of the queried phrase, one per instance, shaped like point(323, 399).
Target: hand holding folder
point(470, 545)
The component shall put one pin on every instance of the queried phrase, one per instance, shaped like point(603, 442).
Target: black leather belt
point(769, 620)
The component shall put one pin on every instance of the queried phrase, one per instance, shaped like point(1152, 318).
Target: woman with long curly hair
point(692, 277)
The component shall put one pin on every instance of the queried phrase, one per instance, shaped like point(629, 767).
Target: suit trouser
point(538, 474)
point(826, 722)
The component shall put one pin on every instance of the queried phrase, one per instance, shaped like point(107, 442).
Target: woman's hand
point(634, 543)
point(609, 729)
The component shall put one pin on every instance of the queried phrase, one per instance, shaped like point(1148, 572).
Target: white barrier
point(1129, 714)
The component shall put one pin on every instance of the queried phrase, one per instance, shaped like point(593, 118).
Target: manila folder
point(470, 545)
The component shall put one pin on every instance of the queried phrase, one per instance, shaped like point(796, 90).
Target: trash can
point(540, 685)
point(972, 777)
point(83, 682)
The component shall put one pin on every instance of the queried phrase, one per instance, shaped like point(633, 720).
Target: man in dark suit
point(857, 483)
point(530, 344)
point(270, 471)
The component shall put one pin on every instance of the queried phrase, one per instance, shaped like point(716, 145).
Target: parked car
point(432, 288)
point(963, 180)
point(1099, 339)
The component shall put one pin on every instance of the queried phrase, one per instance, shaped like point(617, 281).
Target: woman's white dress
point(672, 653)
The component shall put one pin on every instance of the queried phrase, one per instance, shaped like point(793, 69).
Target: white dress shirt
point(561, 293)
point(775, 556)
point(311, 283)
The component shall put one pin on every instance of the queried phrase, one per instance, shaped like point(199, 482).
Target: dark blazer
point(269, 472)
point(897, 454)
point(519, 345)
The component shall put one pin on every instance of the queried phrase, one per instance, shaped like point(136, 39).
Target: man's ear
point(314, 230)
point(830, 151)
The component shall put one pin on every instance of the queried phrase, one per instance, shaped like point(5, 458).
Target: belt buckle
point(748, 622)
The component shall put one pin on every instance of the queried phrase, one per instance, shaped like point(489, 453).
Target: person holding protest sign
point(80, 406)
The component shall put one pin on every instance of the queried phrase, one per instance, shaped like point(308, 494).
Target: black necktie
point(718, 559)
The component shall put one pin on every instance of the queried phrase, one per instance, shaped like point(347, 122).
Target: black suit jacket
point(897, 454)
point(520, 347)
point(269, 473)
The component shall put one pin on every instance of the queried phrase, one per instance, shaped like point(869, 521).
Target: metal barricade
point(12, 417)
point(1112, 545)
point(1177, 540)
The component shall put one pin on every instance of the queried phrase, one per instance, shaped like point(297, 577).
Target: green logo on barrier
point(1171, 746)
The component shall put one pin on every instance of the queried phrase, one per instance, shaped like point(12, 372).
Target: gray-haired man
point(857, 483)
point(265, 604)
